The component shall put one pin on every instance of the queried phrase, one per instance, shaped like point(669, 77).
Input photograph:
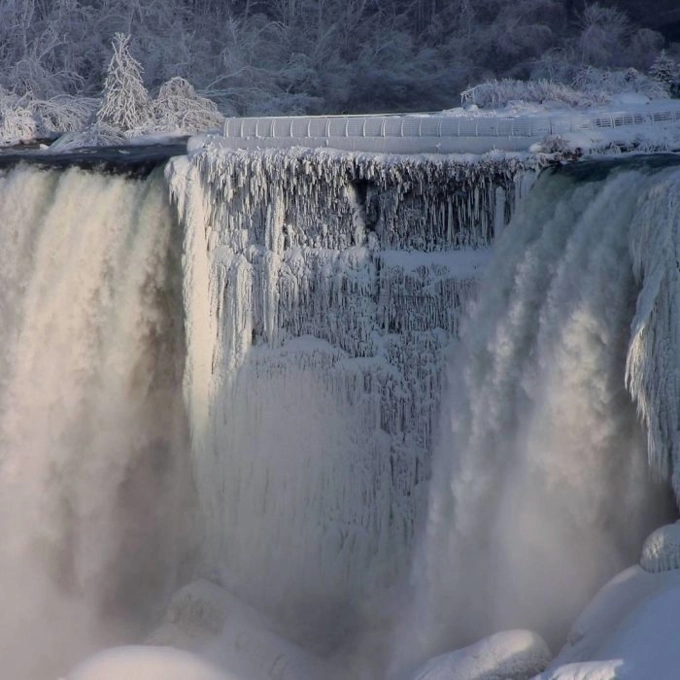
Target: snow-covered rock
point(627, 632)
point(510, 655)
point(661, 551)
point(146, 663)
point(204, 619)
point(197, 612)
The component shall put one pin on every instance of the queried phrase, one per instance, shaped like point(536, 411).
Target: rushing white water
point(541, 486)
point(95, 494)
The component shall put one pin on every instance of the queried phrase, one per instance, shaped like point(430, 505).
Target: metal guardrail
point(431, 132)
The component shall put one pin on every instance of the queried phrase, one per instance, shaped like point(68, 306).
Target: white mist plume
point(94, 491)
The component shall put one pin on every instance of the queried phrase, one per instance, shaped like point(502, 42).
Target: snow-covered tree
point(664, 70)
point(126, 104)
point(309, 56)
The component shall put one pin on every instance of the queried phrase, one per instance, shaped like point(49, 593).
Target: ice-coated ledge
point(477, 132)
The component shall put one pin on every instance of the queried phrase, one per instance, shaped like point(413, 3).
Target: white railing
point(431, 132)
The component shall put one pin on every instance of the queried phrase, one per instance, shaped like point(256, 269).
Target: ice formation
point(541, 487)
point(661, 551)
point(208, 620)
point(510, 655)
point(322, 290)
point(320, 293)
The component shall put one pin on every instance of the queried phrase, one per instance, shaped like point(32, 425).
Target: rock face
point(510, 655)
point(661, 551)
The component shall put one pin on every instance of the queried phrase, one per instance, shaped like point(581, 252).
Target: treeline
point(315, 56)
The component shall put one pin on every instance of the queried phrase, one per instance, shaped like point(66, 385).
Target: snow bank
point(511, 655)
point(146, 663)
point(661, 551)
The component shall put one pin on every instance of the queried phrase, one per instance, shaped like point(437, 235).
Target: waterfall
point(95, 490)
point(544, 483)
point(283, 372)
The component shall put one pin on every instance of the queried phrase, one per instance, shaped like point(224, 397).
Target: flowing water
point(96, 495)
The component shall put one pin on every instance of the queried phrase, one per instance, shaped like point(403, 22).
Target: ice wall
point(95, 486)
point(541, 486)
point(322, 290)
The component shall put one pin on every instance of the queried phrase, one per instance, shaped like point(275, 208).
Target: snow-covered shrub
point(665, 71)
point(16, 125)
point(596, 81)
point(497, 93)
point(98, 134)
point(661, 551)
point(63, 113)
point(178, 107)
point(26, 117)
point(126, 104)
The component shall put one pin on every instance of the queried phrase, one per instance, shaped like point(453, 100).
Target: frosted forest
point(261, 57)
point(339, 340)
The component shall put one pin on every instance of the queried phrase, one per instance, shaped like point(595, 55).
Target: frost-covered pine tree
point(664, 70)
point(126, 104)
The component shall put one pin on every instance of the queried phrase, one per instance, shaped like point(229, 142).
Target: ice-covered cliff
point(322, 291)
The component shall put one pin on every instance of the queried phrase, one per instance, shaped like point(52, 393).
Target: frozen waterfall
point(322, 290)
